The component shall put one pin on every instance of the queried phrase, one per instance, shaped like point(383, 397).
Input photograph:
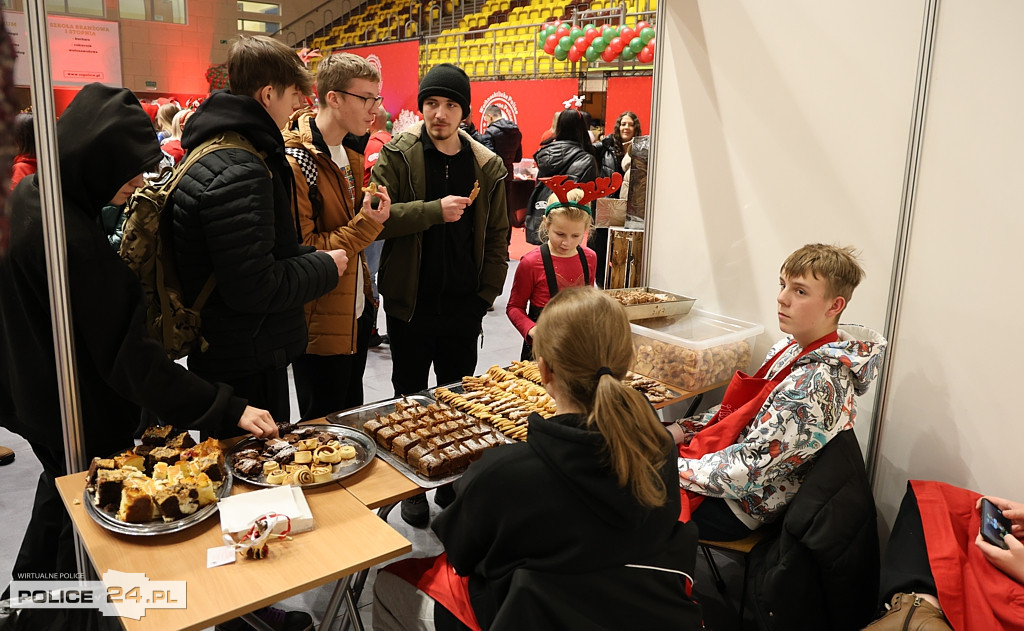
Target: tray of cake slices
point(166, 484)
point(656, 392)
point(428, 441)
point(303, 455)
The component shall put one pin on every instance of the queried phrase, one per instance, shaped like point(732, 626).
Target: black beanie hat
point(448, 81)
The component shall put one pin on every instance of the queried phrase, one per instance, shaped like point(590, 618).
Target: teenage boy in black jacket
point(232, 219)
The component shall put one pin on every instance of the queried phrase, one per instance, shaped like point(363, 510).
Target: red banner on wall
point(399, 73)
point(629, 93)
point(529, 104)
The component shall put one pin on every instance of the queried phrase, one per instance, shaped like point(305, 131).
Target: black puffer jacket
point(504, 138)
point(821, 571)
point(105, 140)
point(233, 219)
point(559, 157)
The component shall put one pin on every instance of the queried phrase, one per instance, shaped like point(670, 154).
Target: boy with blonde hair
point(741, 463)
point(333, 212)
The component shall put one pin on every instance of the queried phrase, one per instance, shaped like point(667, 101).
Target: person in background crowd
point(600, 476)
point(25, 139)
point(233, 221)
point(172, 143)
point(570, 154)
point(445, 259)
point(165, 119)
point(8, 121)
point(549, 133)
point(467, 126)
point(379, 136)
point(741, 463)
point(614, 147)
point(106, 141)
point(503, 137)
point(336, 214)
point(939, 572)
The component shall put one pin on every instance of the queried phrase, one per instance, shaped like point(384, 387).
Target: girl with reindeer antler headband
point(561, 261)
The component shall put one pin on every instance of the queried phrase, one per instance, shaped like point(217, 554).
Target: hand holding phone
point(994, 526)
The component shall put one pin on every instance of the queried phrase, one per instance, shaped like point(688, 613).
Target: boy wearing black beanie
point(444, 256)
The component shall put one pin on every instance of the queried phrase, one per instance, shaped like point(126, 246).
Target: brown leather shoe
point(909, 612)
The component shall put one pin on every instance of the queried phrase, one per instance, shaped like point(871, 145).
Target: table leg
point(340, 589)
point(256, 623)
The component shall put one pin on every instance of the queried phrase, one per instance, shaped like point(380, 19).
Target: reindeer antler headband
point(560, 185)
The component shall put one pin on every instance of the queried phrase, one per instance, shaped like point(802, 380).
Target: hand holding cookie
point(381, 213)
point(474, 192)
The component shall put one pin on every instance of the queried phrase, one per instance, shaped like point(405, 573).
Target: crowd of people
point(301, 230)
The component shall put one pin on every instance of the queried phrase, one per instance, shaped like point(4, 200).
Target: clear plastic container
point(692, 351)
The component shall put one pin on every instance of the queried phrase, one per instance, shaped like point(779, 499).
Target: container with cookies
point(693, 351)
point(306, 455)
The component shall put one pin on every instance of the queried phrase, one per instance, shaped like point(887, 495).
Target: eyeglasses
point(369, 102)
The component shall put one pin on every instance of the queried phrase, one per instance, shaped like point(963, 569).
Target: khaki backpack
point(147, 248)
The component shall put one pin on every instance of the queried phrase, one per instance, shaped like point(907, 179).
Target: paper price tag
point(219, 556)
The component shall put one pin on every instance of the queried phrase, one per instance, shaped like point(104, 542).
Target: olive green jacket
point(400, 167)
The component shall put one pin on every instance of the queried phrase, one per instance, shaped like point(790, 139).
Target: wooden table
point(379, 485)
point(347, 538)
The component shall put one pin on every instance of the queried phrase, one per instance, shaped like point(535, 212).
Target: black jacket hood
point(105, 139)
point(224, 111)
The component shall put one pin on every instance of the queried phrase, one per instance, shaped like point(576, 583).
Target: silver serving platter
point(356, 417)
point(676, 305)
point(365, 446)
point(158, 527)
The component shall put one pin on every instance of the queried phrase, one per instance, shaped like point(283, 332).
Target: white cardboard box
point(237, 512)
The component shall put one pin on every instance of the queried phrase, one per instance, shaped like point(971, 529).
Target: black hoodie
point(554, 505)
point(105, 139)
point(233, 219)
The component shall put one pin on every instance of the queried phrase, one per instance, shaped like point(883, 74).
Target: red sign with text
point(399, 73)
point(529, 104)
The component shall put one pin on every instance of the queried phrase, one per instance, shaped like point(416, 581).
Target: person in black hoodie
point(503, 137)
point(106, 142)
point(570, 153)
point(232, 219)
point(577, 528)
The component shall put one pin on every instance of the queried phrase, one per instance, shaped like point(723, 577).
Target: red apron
point(743, 398)
point(436, 577)
point(973, 593)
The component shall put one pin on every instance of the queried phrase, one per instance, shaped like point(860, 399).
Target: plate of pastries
point(164, 485)
point(304, 455)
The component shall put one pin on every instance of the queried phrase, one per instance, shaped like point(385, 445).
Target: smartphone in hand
point(993, 525)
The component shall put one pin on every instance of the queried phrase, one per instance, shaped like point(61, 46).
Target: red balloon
point(591, 34)
point(551, 41)
point(641, 25)
point(574, 54)
point(581, 43)
point(609, 54)
point(627, 34)
point(561, 32)
point(616, 45)
point(645, 56)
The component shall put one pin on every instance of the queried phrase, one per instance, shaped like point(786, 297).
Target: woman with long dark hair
point(614, 147)
point(570, 153)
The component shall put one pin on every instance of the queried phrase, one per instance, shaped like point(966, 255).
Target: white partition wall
point(788, 122)
point(779, 125)
point(952, 411)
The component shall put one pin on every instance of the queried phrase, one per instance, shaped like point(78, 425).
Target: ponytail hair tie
point(603, 370)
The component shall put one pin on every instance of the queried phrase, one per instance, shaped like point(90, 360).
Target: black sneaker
point(416, 511)
point(444, 495)
point(375, 339)
point(278, 619)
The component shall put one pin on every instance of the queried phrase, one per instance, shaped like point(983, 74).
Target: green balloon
point(646, 34)
point(588, 26)
point(636, 45)
point(575, 33)
point(541, 38)
point(599, 45)
point(627, 54)
point(389, 126)
point(565, 42)
point(592, 53)
point(609, 35)
point(561, 54)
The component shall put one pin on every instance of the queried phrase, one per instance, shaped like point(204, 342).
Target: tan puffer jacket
point(331, 319)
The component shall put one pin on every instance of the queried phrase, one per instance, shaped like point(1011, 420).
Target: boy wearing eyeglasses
point(333, 212)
